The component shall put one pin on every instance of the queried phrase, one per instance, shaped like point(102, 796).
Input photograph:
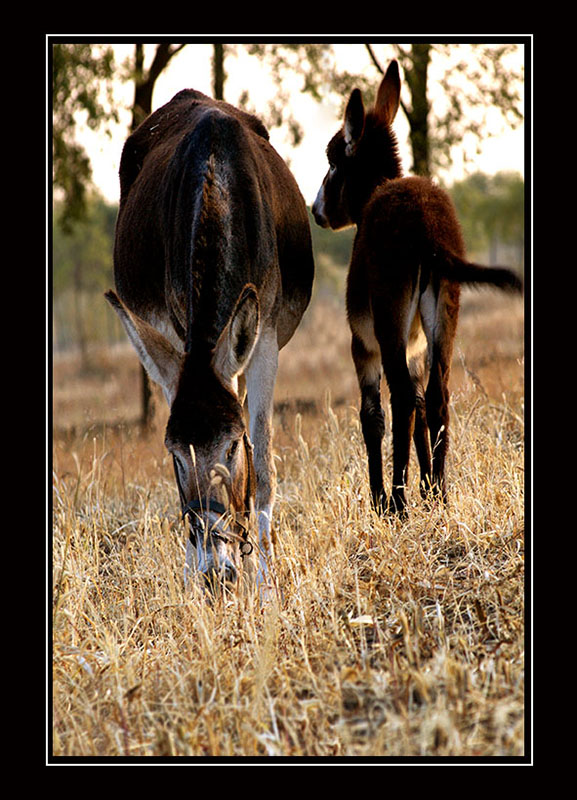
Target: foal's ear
point(389, 95)
point(156, 354)
point(354, 121)
point(236, 343)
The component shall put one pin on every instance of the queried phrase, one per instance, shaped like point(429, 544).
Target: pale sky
point(191, 68)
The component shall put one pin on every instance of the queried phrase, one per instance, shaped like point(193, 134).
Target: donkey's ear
point(236, 343)
point(354, 120)
point(156, 354)
point(389, 95)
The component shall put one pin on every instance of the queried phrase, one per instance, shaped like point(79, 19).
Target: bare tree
point(145, 79)
point(144, 83)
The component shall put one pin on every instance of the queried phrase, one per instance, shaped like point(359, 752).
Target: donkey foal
point(403, 288)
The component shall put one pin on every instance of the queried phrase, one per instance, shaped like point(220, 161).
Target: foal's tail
point(456, 269)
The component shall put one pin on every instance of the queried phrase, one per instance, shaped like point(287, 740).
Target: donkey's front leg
point(437, 394)
point(260, 381)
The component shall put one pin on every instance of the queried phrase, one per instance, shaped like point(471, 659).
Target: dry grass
point(391, 639)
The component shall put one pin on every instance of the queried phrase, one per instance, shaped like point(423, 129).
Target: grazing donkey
point(213, 271)
point(403, 289)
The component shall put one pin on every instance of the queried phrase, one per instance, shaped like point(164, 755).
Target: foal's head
point(361, 155)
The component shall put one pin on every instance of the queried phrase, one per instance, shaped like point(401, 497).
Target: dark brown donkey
point(213, 271)
point(407, 265)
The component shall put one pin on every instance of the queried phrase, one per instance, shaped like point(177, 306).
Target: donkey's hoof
point(398, 506)
point(380, 503)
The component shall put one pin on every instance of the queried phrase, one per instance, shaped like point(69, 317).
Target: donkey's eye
point(232, 450)
point(180, 465)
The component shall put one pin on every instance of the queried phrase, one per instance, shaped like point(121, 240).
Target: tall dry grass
point(390, 639)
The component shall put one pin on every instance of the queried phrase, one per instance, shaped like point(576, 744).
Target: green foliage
point(319, 72)
point(491, 209)
point(78, 73)
point(481, 94)
point(83, 257)
point(81, 272)
point(332, 254)
point(480, 86)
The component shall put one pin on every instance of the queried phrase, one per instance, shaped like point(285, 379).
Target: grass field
point(391, 639)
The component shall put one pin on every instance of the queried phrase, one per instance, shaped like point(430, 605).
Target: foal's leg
point(437, 394)
point(438, 419)
point(403, 397)
point(393, 311)
point(368, 369)
point(421, 431)
point(260, 381)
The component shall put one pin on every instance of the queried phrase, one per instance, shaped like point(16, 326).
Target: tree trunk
point(144, 82)
point(142, 107)
point(79, 317)
point(415, 67)
point(142, 90)
point(419, 113)
point(218, 72)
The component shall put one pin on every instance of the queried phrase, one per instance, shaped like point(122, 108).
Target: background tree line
point(476, 82)
point(491, 210)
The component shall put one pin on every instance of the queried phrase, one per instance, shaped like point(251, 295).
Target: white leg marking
point(428, 310)
point(260, 381)
point(189, 564)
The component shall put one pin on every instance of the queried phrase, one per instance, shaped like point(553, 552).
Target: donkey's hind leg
point(421, 431)
point(438, 420)
point(403, 400)
point(368, 367)
point(394, 309)
point(437, 394)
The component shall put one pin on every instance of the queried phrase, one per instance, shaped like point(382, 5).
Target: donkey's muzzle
point(225, 577)
point(319, 215)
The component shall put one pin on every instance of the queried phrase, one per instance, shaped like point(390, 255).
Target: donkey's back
point(197, 171)
point(411, 222)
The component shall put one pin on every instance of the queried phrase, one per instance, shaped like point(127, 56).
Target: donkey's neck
point(379, 162)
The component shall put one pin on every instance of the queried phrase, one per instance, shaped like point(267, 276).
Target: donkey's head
point(206, 434)
point(361, 155)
